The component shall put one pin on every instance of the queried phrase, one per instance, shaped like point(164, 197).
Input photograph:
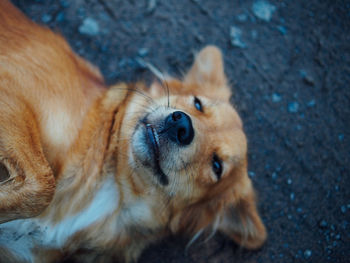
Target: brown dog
point(97, 174)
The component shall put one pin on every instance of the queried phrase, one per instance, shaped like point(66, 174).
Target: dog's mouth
point(153, 138)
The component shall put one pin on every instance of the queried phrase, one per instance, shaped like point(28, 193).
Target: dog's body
point(99, 173)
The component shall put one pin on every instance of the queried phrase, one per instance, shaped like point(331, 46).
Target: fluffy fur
point(82, 181)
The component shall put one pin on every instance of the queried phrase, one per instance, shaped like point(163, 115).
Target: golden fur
point(63, 135)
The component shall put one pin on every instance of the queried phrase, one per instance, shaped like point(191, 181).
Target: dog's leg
point(27, 183)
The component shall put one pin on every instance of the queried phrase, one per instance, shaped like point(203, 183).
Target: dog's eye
point(217, 166)
point(198, 104)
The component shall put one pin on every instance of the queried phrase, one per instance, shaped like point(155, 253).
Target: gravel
point(263, 10)
point(89, 27)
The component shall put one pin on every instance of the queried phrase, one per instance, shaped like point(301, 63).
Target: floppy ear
point(230, 207)
point(195, 218)
point(242, 223)
point(208, 73)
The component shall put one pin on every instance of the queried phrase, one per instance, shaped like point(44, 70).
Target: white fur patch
point(20, 236)
point(104, 203)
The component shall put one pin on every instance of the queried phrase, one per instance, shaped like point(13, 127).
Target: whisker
point(152, 68)
point(167, 90)
point(160, 75)
point(139, 92)
point(215, 226)
point(193, 239)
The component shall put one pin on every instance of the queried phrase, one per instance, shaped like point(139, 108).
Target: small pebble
point(60, 17)
point(89, 27)
point(152, 4)
point(307, 253)
point(263, 10)
point(199, 38)
point(251, 173)
point(46, 18)
point(311, 103)
point(276, 97)
point(142, 52)
point(274, 175)
point(293, 107)
point(242, 17)
point(289, 181)
point(307, 78)
point(343, 209)
point(323, 224)
point(292, 196)
point(282, 29)
point(341, 137)
point(236, 35)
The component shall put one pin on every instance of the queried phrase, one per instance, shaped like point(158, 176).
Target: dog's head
point(188, 142)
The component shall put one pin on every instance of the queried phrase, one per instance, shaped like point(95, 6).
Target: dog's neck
point(83, 168)
point(93, 179)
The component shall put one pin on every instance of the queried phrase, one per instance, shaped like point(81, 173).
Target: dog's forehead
point(225, 115)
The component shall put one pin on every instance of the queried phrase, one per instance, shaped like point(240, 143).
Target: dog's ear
point(241, 221)
point(232, 212)
point(195, 218)
point(207, 72)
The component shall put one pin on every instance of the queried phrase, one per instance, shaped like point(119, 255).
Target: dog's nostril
point(176, 115)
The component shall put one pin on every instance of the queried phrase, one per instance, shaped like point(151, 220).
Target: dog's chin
point(146, 150)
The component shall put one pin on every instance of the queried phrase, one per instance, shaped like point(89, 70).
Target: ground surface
point(289, 64)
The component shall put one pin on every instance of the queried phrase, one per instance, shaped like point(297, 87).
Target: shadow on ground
point(288, 62)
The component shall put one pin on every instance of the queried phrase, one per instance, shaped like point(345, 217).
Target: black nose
point(178, 127)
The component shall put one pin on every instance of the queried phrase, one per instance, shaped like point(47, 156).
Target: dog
point(95, 173)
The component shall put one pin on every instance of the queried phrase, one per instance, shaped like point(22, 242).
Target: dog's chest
point(21, 236)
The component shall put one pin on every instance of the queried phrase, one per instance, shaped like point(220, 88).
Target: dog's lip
point(154, 139)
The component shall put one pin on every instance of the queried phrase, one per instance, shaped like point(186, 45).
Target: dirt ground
point(289, 65)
